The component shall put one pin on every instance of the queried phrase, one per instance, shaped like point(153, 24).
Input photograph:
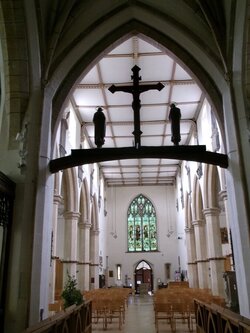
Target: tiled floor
point(139, 319)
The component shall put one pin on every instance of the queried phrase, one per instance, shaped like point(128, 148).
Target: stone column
point(216, 261)
point(191, 258)
point(201, 253)
point(94, 272)
point(223, 196)
point(84, 259)
point(70, 244)
point(56, 201)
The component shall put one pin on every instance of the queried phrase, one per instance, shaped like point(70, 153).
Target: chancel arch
point(118, 31)
point(44, 57)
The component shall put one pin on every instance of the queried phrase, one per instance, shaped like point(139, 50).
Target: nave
point(139, 318)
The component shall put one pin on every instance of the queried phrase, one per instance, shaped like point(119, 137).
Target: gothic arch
point(212, 186)
point(67, 71)
point(188, 211)
point(197, 202)
point(70, 190)
point(84, 202)
point(143, 260)
point(94, 215)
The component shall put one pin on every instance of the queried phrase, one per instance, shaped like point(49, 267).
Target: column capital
point(72, 215)
point(214, 211)
point(198, 222)
point(189, 230)
point(84, 225)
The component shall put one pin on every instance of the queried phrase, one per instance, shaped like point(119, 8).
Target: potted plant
point(71, 295)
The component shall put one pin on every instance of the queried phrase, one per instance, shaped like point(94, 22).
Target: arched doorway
point(143, 278)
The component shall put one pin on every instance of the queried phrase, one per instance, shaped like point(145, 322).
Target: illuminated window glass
point(118, 272)
point(142, 229)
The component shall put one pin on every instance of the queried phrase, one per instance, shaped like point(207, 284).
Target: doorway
point(143, 278)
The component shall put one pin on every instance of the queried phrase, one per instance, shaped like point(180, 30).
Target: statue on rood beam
point(100, 127)
point(174, 117)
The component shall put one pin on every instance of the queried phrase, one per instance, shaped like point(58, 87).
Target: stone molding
point(201, 260)
point(213, 211)
point(94, 265)
point(198, 222)
point(189, 230)
point(83, 225)
point(72, 215)
point(216, 258)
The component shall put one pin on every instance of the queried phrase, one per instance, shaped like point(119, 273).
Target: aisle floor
point(139, 318)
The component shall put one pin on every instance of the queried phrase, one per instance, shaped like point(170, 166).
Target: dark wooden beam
point(188, 153)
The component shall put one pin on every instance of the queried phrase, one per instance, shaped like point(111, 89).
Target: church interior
point(124, 144)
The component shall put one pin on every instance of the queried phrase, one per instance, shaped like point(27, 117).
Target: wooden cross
point(136, 90)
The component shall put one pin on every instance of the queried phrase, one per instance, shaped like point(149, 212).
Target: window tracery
point(142, 226)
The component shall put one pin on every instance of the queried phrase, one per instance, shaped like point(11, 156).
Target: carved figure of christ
point(136, 90)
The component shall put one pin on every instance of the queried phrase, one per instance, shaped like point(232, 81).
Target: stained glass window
point(142, 228)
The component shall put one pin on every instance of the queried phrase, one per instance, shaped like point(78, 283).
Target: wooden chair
point(163, 311)
point(99, 311)
point(180, 311)
point(115, 308)
point(56, 306)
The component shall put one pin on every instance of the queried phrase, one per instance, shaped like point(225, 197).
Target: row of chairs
point(173, 305)
point(108, 305)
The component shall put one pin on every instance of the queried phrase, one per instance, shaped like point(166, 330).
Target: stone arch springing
point(197, 202)
point(212, 186)
point(94, 214)
point(84, 202)
point(70, 190)
point(188, 211)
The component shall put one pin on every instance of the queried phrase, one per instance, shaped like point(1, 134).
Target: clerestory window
point(142, 227)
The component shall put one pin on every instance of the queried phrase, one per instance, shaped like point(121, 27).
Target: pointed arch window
point(142, 226)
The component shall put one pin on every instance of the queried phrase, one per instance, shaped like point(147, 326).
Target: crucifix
point(136, 90)
point(86, 156)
